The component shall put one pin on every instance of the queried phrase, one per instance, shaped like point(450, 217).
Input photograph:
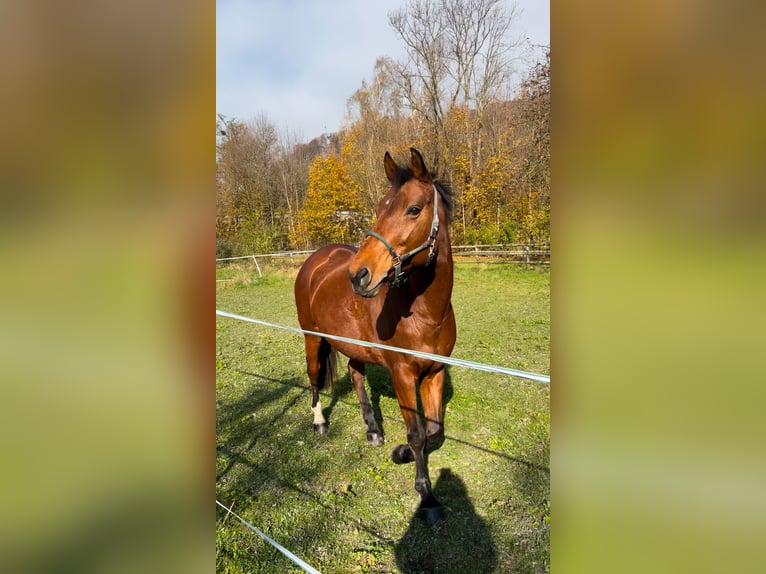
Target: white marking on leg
point(318, 416)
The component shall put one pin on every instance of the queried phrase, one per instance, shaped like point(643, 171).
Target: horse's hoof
point(431, 514)
point(320, 428)
point(375, 439)
point(402, 454)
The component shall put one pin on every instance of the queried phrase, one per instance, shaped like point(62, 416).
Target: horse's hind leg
point(314, 367)
point(320, 424)
point(356, 373)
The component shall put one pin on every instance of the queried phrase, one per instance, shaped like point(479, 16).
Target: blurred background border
point(108, 179)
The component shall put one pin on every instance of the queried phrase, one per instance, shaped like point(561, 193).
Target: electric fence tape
point(420, 354)
point(277, 545)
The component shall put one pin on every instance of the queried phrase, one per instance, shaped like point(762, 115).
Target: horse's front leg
point(415, 449)
point(431, 397)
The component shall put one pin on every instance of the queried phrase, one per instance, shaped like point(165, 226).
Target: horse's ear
point(418, 166)
point(390, 166)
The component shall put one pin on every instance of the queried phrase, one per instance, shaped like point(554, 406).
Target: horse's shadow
point(378, 382)
point(460, 543)
point(240, 437)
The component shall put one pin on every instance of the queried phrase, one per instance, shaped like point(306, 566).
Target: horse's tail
point(328, 363)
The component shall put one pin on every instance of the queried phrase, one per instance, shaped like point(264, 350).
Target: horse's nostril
point(363, 277)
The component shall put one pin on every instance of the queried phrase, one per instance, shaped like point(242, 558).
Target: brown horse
point(395, 289)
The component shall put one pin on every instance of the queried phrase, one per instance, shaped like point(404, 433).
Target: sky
point(298, 61)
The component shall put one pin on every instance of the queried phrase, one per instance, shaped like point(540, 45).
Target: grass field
point(343, 506)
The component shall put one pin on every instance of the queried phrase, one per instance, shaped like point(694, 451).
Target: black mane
point(404, 174)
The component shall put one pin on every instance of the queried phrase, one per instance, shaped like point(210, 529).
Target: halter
point(397, 261)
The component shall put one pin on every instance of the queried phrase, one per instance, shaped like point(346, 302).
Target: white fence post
point(258, 267)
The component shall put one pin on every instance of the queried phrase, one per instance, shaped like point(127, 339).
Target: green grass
point(342, 505)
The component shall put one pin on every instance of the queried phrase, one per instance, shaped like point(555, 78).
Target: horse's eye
point(413, 210)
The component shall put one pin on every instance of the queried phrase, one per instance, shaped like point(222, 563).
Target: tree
point(378, 123)
point(459, 59)
point(331, 212)
point(532, 209)
point(450, 98)
point(421, 79)
point(459, 54)
point(258, 186)
point(292, 166)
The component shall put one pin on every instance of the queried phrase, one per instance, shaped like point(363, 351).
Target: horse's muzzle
point(361, 282)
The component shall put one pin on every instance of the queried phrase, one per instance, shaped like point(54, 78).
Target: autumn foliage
point(491, 146)
point(331, 211)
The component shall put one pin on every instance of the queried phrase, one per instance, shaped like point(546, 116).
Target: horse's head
point(404, 234)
